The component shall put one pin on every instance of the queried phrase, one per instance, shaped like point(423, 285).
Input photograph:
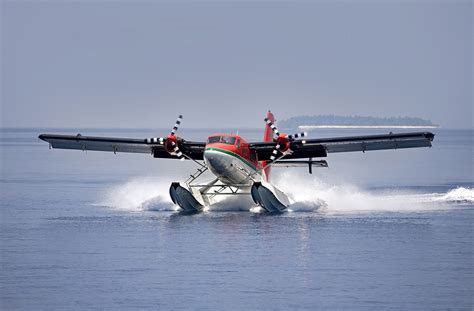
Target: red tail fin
point(268, 137)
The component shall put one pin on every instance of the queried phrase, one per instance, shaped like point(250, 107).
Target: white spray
point(308, 193)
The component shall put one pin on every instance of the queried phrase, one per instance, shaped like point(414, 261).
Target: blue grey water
point(375, 230)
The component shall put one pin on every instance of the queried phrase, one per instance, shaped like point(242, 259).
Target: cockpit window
point(228, 140)
point(221, 139)
point(213, 139)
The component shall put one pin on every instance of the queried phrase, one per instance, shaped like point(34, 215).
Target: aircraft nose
point(215, 161)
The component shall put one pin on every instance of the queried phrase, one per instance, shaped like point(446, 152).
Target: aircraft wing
point(194, 150)
point(314, 148)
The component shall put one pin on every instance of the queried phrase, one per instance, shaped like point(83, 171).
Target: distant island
point(333, 121)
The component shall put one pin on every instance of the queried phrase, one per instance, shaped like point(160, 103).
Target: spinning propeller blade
point(272, 126)
point(176, 125)
point(297, 135)
point(176, 150)
point(275, 152)
point(283, 141)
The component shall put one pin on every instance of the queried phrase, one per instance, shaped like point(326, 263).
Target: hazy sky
point(224, 64)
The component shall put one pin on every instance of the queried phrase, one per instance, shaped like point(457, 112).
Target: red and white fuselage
point(231, 160)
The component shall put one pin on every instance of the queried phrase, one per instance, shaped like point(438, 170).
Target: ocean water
point(375, 230)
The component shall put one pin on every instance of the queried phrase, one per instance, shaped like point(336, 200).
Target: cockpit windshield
point(213, 139)
point(221, 139)
point(228, 140)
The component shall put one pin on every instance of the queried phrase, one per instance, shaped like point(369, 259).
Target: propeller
point(171, 141)
point(176, 125)
point(283, 141)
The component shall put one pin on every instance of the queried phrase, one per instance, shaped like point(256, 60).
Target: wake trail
point(309, 193)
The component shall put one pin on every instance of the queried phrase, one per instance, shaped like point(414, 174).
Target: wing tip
point(429, 136)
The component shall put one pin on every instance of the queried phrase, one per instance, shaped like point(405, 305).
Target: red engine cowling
point(283, 142)
point(171, 143)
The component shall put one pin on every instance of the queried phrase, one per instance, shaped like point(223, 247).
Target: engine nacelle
point(283, 142)
point(171, 144)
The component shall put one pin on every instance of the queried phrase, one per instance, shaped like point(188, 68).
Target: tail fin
point(268, 137)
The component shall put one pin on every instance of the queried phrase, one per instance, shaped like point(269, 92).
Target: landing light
point(303, 142)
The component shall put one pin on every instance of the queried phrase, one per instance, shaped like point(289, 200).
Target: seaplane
point(239, 167)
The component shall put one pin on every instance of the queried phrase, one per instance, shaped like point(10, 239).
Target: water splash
point(313, 194)
point(139, 194)
point(307, 193)
point(459, 195)
point(151, 194)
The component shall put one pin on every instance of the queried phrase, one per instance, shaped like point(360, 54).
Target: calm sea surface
point(380, 230)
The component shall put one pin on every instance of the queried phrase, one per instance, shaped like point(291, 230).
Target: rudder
point(268, 137)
